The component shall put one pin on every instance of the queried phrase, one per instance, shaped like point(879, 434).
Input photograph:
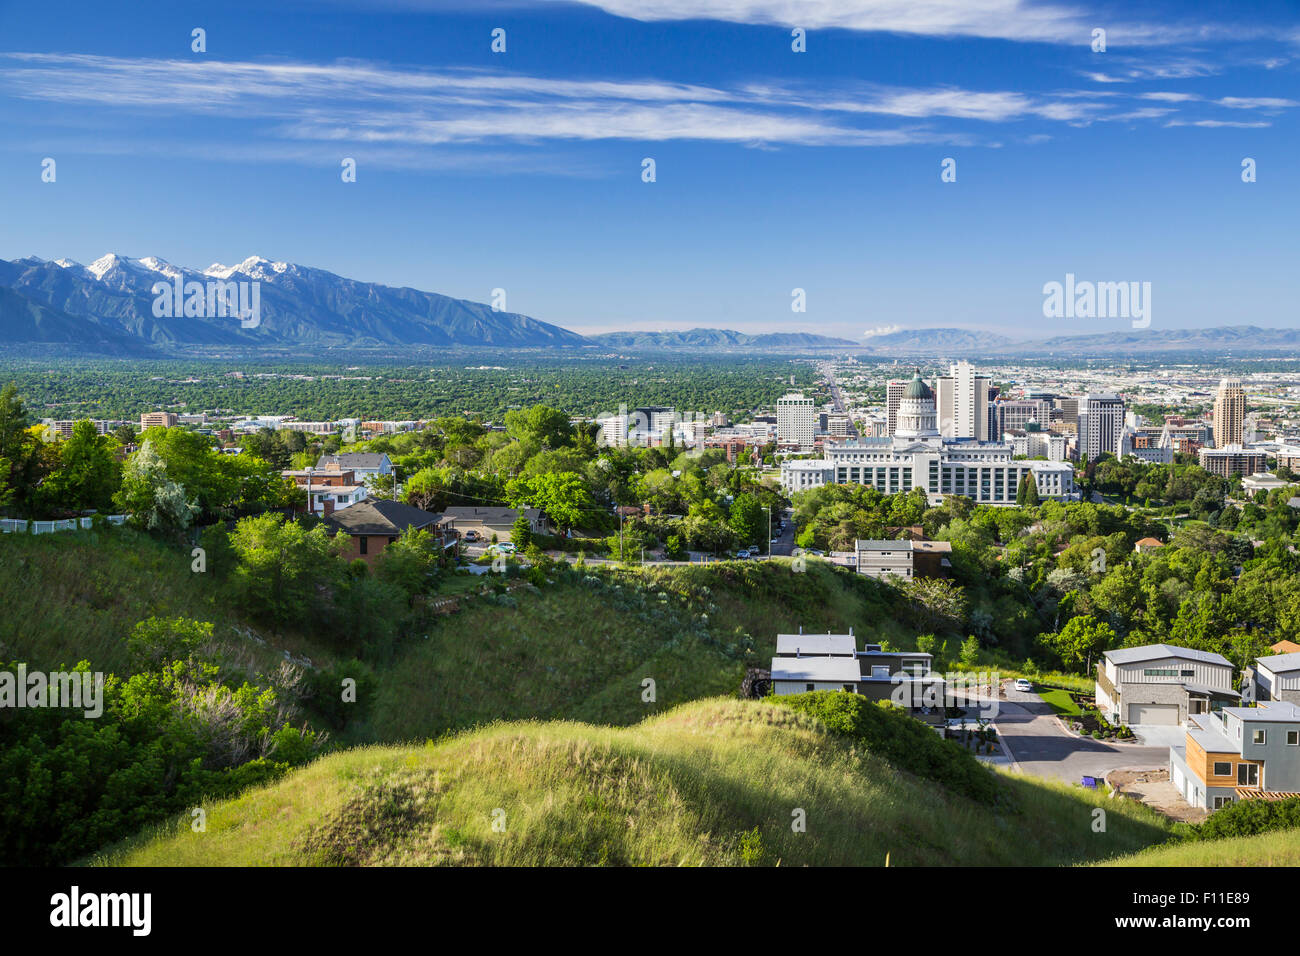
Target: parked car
point(1024, 685)
point(742, 554)
point(504, 548)
point(471, 536)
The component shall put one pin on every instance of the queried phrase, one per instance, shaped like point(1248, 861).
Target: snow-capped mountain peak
point(255, 267)
point(104, 264)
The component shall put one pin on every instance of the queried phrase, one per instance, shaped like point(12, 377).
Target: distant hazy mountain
point(938, 340)
point(1132, 341)
point(298, 306)
point(718, 339)
point(1233, 337)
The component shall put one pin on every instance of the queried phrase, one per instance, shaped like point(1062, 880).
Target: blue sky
point(775, 170)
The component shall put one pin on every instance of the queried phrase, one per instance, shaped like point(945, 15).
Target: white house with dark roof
point(1278, 678)
point(1162, 684)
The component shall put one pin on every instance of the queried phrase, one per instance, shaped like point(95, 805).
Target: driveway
point(1155, 735)
point(1038, 743)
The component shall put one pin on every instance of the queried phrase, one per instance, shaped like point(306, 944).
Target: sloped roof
point(1280, 663)
point(1155, 652)
point(353, 459)
point(380, 517)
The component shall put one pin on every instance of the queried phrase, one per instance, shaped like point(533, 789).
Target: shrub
point(1249, 817)
point(900, 739)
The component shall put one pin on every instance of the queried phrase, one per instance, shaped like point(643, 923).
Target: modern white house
point(1162, 684)
point(796, 675)
point(1278, 678)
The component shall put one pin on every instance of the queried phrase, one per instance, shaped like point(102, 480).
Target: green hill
point(715, 782)
point(1278, 848)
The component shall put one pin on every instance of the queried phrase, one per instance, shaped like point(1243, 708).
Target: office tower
point(1101, 425)
point(1229, 413)
point(796, 419)
point(962, 402)
point(893, 396)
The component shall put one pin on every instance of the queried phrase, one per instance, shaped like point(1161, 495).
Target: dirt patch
point(1153, 788)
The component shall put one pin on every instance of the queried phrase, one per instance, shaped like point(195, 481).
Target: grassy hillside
point(76, 596)
point(1280, 848)
point(580, 647)
point(714, 782)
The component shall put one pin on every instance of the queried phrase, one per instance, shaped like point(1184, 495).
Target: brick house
point(373, 524)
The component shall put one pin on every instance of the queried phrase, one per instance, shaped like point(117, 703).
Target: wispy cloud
point(289, 108)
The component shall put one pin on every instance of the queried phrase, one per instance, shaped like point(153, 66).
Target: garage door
point(1166, 714)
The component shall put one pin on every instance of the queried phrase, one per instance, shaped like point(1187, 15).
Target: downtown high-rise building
point(1229, 413)
point(893, 398)
point(962, 402)
point(1101, 425)
point(796, 419)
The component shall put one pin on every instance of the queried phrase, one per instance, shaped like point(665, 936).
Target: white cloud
point(1255, 102)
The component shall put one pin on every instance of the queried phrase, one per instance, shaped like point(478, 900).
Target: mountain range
point(109, 307)
point(718, 339)
point(112, 302)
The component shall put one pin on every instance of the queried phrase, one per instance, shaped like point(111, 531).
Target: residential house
point(904, 559)
point(807, 662)
point(329, 491)
point(1162, 684)
point(375, 523)
point(366, 466)
point(488, 520)
point(1239, 753)
point(816, 645)
point(1285, 647)
point(1147, 545)
point(1278, 677)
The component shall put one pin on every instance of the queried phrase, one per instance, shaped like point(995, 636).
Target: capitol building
point(915, 456)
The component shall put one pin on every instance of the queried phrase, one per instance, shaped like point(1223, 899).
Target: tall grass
point(718, 782)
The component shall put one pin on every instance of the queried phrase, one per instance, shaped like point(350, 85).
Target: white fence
point(22, 525)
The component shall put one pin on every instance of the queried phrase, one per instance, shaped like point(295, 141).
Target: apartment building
point(1101, 425)
point(1232, 460)
point(1229, 413)
point(157, 420)
point(962, 399)
point(796, 420)
point(1239, 753)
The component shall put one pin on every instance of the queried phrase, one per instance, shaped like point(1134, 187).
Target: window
point(1293, 738)
point(809, 687)
point(364, 544)
point(1220, 802)
point(850, 688)
point(1222, 769)
point(1260, 737)
point(1159, 672)
point(1247, 775)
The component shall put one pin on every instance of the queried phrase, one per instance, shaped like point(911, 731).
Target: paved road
point(1042, 747)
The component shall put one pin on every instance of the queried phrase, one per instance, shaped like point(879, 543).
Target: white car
point(1024, 685)
point(742, 554)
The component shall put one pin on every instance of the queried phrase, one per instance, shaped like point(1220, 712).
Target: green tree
point(87, 474)
point(1082, 640)
point(1027, 492)
point(747, 519)
point(521, 532)
point(152, 499)
point(282, 568)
